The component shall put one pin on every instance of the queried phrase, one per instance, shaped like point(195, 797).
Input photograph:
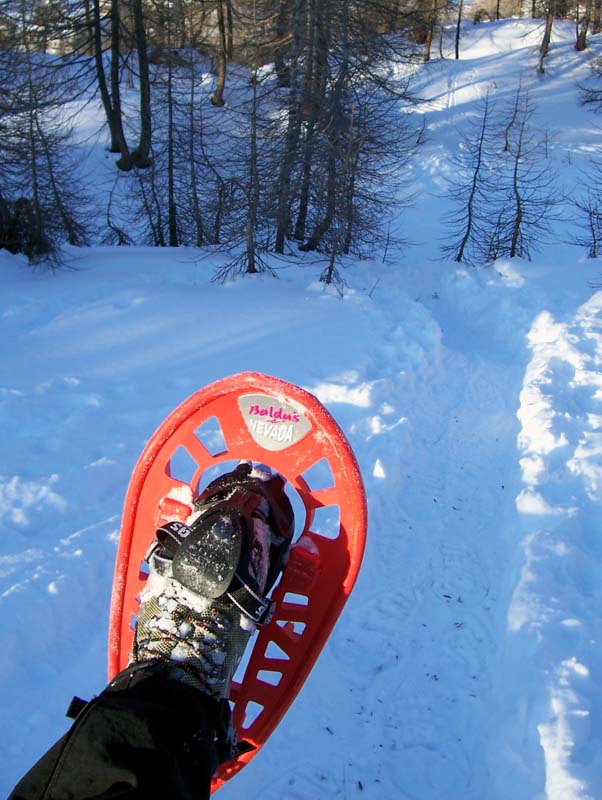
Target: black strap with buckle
point(258, 608)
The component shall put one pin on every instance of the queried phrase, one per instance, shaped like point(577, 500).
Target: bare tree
point(581, 43)
point(472, 189)
point(334, 128)
point(253, 189)
point(527, 196)
point(597, 17)
point(285, 36)
point(339, 94)
point(249, 232)
point(110, 102)
point(507, 200)
point(110, 91)
point(515, 109)
point(459, 27)
point(431, 22)
point(314, 89)
point(222, 55)
point(547, 34)
point(589, 210)
point(293, 129)
point(42, 202)
point(141, 154)
point(591, 88)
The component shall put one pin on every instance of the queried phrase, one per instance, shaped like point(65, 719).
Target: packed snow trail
point(417, 647)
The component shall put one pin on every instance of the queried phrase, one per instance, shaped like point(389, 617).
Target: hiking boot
point(209, 578)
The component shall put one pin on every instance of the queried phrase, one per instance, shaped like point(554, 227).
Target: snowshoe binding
point(209, 578)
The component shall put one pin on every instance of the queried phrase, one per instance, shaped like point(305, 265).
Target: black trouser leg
point(147, 735)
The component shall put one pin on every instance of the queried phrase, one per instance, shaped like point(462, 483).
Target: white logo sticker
point(273, 424)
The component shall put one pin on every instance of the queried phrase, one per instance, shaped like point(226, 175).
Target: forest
point(262, 127)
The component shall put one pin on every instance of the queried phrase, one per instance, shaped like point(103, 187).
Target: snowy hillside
point(467, 664)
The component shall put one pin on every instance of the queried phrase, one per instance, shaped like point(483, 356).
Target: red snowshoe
point(256, 418)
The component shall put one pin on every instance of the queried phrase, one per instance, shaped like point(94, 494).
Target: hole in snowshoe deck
point(319, 475)
point(182, 465)
point(327, 522)
point(299, 510)
point(295, 628)
point(211, 437)
point(296, 599)
point(252, 712)
point(275, 653)
point(269, 676)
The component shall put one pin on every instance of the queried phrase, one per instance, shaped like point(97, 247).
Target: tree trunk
point(324, 225)
point(597, 21)
point(513, 118)
point(141, 155)
point(350, 205)
point(67, 220)
point(459, 28)
point(581, 43)
point(518, 202)
point(476, 178)
point(196, 210)
point(115, 22)
point(253, 198)
point(350, 170)
point(328, 275)
point(282, 31)
point(313, 96)
point(118, 140)
point(334, 127)
point(219, 212)
point(295, 111)
point(89, 25)
point(172, 216)
point(229, 31)
point(547, 34)
point(35, 228)
point(156, 224)
point(430, 31)
point(217, 98)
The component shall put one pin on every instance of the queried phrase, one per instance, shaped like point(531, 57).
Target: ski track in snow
point(467, 659)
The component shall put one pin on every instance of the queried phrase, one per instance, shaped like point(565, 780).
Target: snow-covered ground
point(467, 664)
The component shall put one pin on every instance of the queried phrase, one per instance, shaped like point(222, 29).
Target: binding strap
point(258, 608)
